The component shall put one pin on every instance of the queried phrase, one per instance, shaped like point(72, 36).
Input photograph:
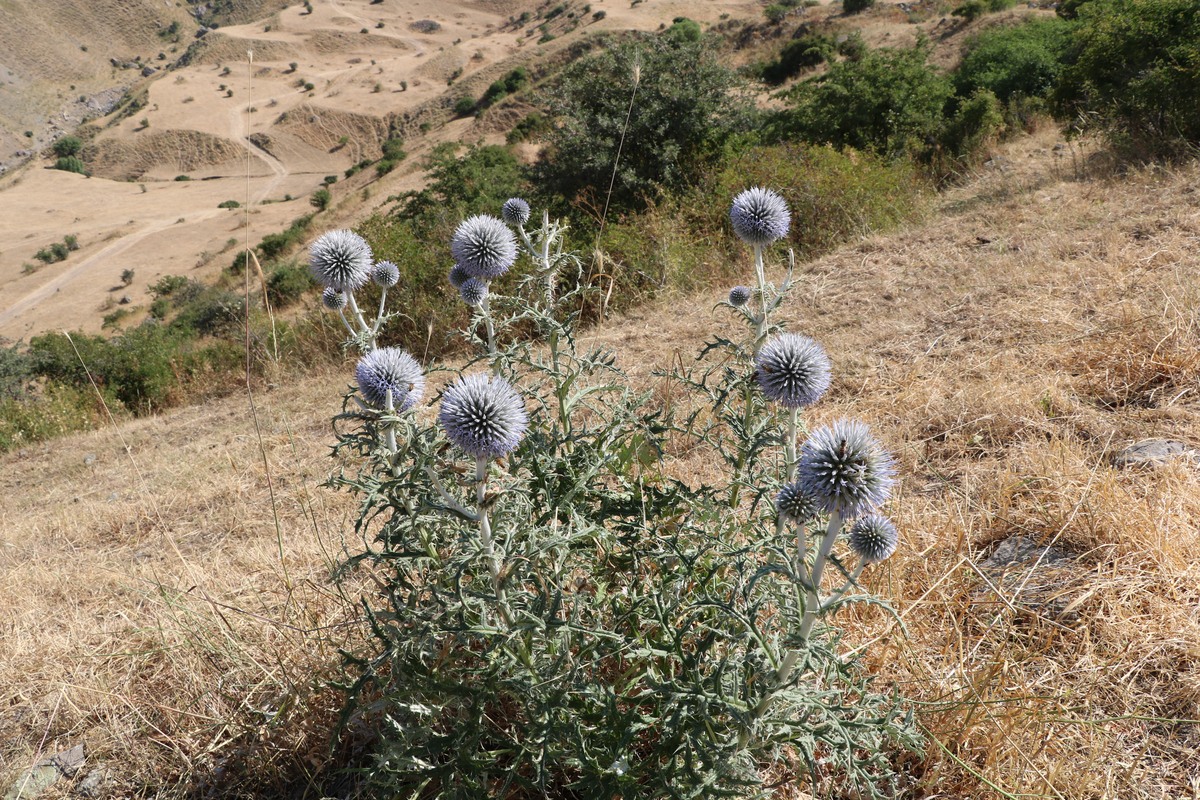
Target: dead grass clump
point(1139, 362)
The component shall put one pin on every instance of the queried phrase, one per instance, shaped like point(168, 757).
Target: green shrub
point(464, 106)
point(288, 283)
point(183, 177)
point(167, 285)
point(1133, 73)
point(68, 146)
point(889, 101)
point(478, 181)
point(685, 110)
point(684, 31)
point(776, 13)
point(320, 199)
point(229, 204)
point(974, 9)
point(533, 126)
point(856, 6)
point(275, 245)
point(214, 312)
point(71, 164)
point(15, 373)
point(56, 410)
point(1023, 60)
point(797, 55)
point(978, 121)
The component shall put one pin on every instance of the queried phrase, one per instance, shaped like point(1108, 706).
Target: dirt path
point(238, 131)
point(117, 247)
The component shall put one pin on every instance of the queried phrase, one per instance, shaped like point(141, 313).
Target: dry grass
point(1004, 351)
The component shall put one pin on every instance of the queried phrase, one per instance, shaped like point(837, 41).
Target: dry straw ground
point(164, 584)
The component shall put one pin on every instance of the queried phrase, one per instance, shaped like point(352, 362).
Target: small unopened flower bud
point(385, 274)
point(515, 211)
point(333, 299)
point(473, 291)
point(740, 295)
point(873, 538)
point(458, 275)
point(792, 503)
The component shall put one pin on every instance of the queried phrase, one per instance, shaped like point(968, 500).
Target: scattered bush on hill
point(683, 112)
point(808, 50)
point(1133, 72)
point(71, 164)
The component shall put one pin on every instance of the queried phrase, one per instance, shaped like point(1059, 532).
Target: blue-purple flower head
point(484, 246)
point(844, 469)
point(485, 416)
point(873, 538)
point(793, 370)
point(341, 259)
point(515, 211)
point(740, 295)
point(473, 291)
point(333, 299)
point(390, 368)
point(759, 216)
point(385, 274)
point(792, 503)
point(458, 276)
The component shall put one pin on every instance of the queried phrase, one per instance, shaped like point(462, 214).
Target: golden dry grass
point(1004, 351)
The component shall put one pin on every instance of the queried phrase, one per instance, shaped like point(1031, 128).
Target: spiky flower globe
point(844, 469)
point(484, 246)
point(740, 295)
point(873, 538)
point(792, 503)
point(340, 259)
point(394, 369)
point(458, 276)
point(793, 370)
point(759, 216)
point(515, 211)
point(473, 291)
point(484, 416)
point(333, 299)
point(385, 274)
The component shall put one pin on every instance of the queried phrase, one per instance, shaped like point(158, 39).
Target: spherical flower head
point(792, 503)
point(793, 370)
point(333, 299)
point(394, 369)
point(843, 468)
point(759, 216)
point(340, 259)
point(484, 416)
point(515, 211)
point(484, 246)
point(873, 538)
point(458, 276)
point(473, 291)
point(385, 274)
point(740, 295)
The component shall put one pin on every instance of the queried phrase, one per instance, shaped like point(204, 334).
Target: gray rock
point(68, 762)
point(89, 459)
point(1023, 575)
point(92, 784)
point(148, 71)
point(1153, 453)
point(33, 783)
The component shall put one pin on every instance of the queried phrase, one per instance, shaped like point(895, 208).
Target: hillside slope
point(166, 594)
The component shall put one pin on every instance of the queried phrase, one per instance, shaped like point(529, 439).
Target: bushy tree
point(666, 104)
point(68, 146)
point(1024, 60)
point(888, 101)
point(1133, 71)
point(806, 51)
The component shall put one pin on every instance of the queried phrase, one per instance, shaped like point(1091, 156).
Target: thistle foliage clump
point(558, 615)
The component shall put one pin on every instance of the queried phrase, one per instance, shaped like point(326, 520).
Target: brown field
point(165, 593)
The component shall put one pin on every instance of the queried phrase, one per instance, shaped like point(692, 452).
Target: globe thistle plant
point(385, 274)
point(759, 216)
point(333, 299)
point(484, 416)
point(390, 369)
point(484, 247)
point(793, 370)
point(845, 470)
point(341, 259)
point(740, 295)
point(873, 538)
point(473, 291)
point(515, 211)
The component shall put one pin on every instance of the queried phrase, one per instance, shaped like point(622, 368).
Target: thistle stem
point(362, 323)
point(760, 322)
point(447, 498)
point(390, 436)
point(485, 538)
point(346, 322)
point(789, 448)
point(486, 313)
point(850, 581)
point(813, 606)
point(379, 316)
